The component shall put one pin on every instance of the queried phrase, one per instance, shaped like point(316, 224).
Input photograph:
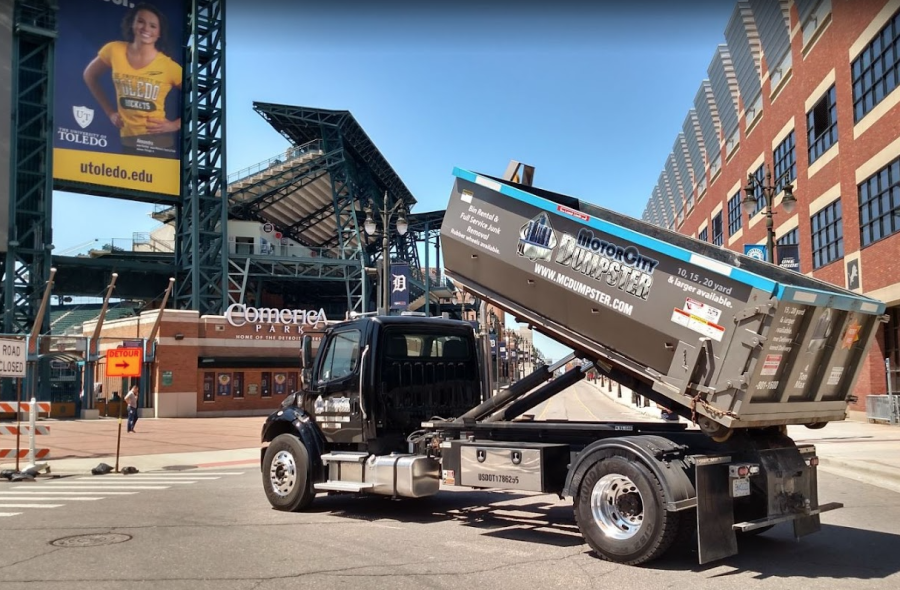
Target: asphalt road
point(159, 531)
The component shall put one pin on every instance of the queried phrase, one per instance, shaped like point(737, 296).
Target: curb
point(237, 458)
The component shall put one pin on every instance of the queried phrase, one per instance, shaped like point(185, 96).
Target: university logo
point(83, 116)
point(537, 239)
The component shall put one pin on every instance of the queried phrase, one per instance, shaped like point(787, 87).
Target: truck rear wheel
point(620, 510)
point(285, 474)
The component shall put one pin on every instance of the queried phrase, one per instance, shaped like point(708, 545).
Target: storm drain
point(95, 540)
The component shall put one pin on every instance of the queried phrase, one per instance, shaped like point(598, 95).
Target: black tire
point(292, 469)
point(653, 529)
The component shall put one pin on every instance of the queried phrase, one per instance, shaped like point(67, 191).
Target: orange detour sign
point(124, 362)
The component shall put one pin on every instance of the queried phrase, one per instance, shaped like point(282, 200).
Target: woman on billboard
point(143, 76)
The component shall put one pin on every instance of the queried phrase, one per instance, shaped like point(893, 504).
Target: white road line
point(44, 492)
point(108, 487)
point(183, 473)
point(134, 478)
point(124, 484)
point(30, 498)
point(9, 513)
point(31, 505)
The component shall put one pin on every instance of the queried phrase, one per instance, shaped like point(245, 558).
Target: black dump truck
point(398, 405)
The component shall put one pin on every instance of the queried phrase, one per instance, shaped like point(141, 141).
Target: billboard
point(117, 104)
point(6, 16)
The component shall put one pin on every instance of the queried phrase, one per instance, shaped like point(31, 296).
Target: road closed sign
point(124, 362)
point(12, 358)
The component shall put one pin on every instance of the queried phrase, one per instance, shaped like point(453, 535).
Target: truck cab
point(371, 385)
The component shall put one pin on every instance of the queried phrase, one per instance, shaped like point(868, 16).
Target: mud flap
point(808, 525)
point(716, 538)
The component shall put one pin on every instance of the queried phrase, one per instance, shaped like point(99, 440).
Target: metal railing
point(281, 250)
point(311, 147)
point(137, 243)
point(883, 408)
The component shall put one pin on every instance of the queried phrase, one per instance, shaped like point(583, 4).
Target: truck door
point(335, 399)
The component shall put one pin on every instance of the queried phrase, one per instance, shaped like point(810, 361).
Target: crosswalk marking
point(144, 479)
point(30, 498)
point(47, 493)
point(55, 493)
point(31, 505)
point(186, 473)
point(107, 487)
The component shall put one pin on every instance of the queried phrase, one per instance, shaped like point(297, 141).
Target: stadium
point(241, 264)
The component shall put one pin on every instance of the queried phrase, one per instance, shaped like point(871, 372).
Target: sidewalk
point(853, 448)
point(77, 446)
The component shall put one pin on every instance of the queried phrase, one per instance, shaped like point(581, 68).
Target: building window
point(813, 16)
point(703, 236)
point(717, 237)
point(877, 69)
point(827, 235)
point(821, 125)
point(243, 245)
point(879, 204)
point(760, 176)
point(790, 238)
point(785, 162)
point(735, 219)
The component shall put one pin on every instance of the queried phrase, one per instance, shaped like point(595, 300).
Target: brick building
point(243, 363)
point(805, 90)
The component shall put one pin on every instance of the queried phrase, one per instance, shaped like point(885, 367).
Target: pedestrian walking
point(131, 398)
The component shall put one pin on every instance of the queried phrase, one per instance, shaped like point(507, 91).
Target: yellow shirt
point(140, 93)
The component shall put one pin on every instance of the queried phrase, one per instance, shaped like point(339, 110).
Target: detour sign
point(124, 362)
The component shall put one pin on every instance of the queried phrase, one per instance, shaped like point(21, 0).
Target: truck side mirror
point(306, 360)
point(306, 352)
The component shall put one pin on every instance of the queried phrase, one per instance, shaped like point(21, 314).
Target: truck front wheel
point(285, 474)
point(620, 510)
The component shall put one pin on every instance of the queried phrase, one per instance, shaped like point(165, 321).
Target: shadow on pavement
point(500, 515)
point(836, 552)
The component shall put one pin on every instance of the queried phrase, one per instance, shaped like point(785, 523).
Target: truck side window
point(342, 356)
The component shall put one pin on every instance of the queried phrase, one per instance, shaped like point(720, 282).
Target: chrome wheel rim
point(283, 473)
point(617, 506)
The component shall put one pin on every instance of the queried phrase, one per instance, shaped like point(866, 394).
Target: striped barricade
point(25, 429)
point(14, 407)
point(32, 429)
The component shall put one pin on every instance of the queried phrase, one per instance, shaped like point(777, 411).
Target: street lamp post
point(769, 190)
point(370, 227)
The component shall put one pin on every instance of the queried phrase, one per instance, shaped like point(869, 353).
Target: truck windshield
point(341, 356)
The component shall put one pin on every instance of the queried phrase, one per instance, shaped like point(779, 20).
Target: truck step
point(342, 486)
point(345, 457)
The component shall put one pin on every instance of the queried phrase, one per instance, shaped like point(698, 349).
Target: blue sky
point(592, 97)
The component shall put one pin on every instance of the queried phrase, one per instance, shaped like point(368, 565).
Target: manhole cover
point(95, 540)
point(179, 467)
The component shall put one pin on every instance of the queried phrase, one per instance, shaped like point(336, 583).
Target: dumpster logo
point(537, 239)
point(624, 268)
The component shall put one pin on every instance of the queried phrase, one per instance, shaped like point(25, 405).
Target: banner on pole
point(789, 256)
point(399, 286)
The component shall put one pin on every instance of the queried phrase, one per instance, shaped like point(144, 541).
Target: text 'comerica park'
point(239, 315)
